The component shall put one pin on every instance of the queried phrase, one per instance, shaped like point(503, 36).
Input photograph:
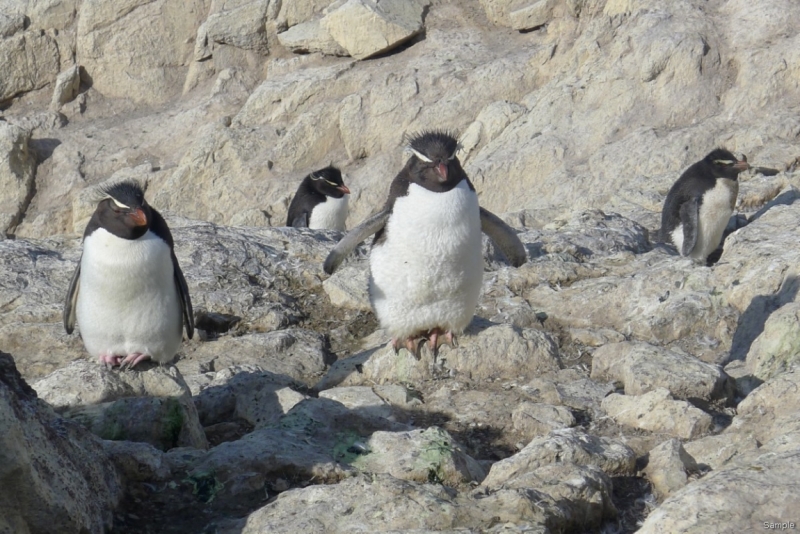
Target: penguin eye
point(725, 162)
point(119, 204)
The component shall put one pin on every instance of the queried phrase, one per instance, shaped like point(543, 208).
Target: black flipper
point(504, 237)
point(689, 213)
point(301, 221)
point(355, 236)
point(72, 299)
point(183, 294)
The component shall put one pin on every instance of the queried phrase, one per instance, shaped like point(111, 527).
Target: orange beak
point(343, 188)
point(741, 165)
point(441, 170)
point(138, 217)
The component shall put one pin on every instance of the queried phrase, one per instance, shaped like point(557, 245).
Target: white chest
point(329, 215)
point(714, 214)
point(428, 271)
point(128, 301)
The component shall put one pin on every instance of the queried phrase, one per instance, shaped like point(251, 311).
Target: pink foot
point(131, 360)
point(110, 360)
point(451, 339)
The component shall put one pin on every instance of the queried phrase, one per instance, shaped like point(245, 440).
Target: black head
point(433, 163)
point(328, 181)
point(723, 164)
point(123, 210)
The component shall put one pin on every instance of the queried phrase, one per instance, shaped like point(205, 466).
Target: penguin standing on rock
point(426, 261)
point(320, 202)
point(128, 292)
point(700, 203)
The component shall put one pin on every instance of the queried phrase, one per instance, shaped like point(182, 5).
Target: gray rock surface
point(574, 117)
point(17, 170)
point(669, 467)
point(658, 412)
point(641, 367)
point(55, 477)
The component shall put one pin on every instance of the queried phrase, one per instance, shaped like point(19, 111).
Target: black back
point(693, 184)
point(314, 189)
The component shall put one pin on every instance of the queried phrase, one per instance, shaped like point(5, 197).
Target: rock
point(716, 451)
point(657, 412)
point(164, 422)
point(429, 455)
point(242, 26)
point(294, 352)
point(525, 352)
point(361, 503)
point(11, 24)
point(293, 13)
point(309, 37)
point(489, 123)
point(642, 367)
point(137, 461)
point(244, 392)
point(532, 16)
point(533, 419)
point(67, 85)
point(777, 348)
point(668, 467)
point(83, 382)
point(572, 496)
point(568, 446)
point(770, 410)
point(579, 394)
point(55, 477)
point(743, 496)
point(348, 288)
point(17, 171)
point(137, 51)
point(359, 398)
point(383, 25)
point(30, 61)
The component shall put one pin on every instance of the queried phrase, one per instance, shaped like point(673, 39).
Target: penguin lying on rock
point(700, 203)
point(426, 261)
point(320, 202)
point(128, 292)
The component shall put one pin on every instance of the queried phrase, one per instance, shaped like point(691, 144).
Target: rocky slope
point(607, 384)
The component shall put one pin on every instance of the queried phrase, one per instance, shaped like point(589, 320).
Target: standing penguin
point(320, 202)
point(128, 292)
point(426, 262)
point(700, 203)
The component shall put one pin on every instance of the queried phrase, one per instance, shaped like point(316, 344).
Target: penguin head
point(433, 163)
point(123, 210)
point(723, 164)
point(328, 181)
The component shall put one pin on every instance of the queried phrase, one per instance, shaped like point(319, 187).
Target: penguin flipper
point(688, 215)
point(72, 299)
point(355, 236)
point(300, 221)
point(504, 237)
point(183, 295)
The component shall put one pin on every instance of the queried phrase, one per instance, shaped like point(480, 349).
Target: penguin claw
point(109, 360)
point(131, 360)
point(395, 343)
point(451, 339)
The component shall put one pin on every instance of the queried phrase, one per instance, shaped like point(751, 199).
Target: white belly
point(127, 301)
point(715, 212)
point(329, 215)
point(428, 272)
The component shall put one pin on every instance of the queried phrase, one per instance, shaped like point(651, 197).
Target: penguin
point(699, 205)
point(320, 202)
point(426, 260)
point(128, 292)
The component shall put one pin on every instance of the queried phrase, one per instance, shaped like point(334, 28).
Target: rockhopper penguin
point(700, 203)
point(320, 202)
point(426, 261)
point(128, 293)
